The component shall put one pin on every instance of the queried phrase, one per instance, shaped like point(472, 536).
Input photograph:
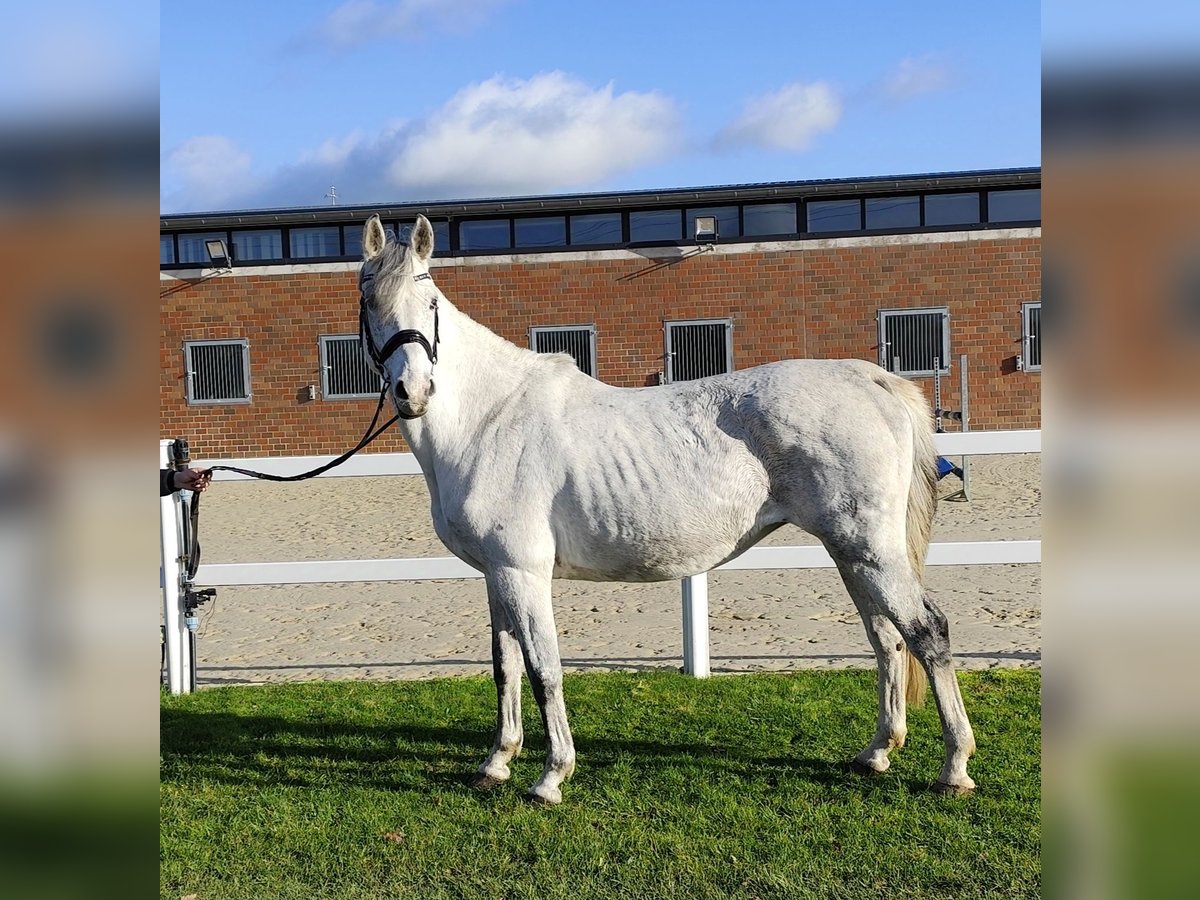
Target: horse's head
point(398, 315)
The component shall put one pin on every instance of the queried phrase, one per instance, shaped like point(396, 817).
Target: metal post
point(695, 625)
point(177, 645)
point(937, 392)
point(966, 423)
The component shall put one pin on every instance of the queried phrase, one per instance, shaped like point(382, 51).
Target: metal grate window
point(911, 340)
point(698, 349)
point(577, 340)
point(218, 371)
point(1031, 336)
point(345, 371)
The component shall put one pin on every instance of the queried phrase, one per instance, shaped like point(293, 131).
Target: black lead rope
point(371, 433)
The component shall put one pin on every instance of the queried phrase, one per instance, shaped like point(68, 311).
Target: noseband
point(400, 338)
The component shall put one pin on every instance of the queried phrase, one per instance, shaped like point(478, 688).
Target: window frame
point(189, 372)
point(323, 354)
point(535, 330)
point(1027, 337)
point(669, 354)
point(885, 362)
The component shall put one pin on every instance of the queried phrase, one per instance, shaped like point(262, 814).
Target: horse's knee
point(545, 683)
point(928, 635)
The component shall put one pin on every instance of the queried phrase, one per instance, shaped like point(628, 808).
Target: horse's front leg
point(507, 663)
point(525, 597)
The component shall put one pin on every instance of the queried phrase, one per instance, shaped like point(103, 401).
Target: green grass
point(732, 787)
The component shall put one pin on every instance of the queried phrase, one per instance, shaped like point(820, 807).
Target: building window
point(915, 341)
point(727, 220)
point(1031, 336)
point(217, 371)
point(192, 249)
point(597, 228)
point(894, 212)
point(547, 231)
point(656, 225)
point(769, 218)
point(316, 243)
point(952, 209)
point(166, 249)
point(249, 245)
point(345, 371)
point(698, 349)
point(577, 340)
point(834, 215)
point(1015, 206)
point(484, 234)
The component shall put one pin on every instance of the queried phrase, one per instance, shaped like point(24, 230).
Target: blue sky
point(269, 103)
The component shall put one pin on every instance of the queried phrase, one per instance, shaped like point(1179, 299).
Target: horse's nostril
point(401, 393)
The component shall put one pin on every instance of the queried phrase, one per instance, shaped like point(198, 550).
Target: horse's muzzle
point(406, 410)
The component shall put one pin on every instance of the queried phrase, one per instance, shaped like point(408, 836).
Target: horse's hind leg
point(507, 664)
point(890, 727)
point(887, 582)
point(525, 598)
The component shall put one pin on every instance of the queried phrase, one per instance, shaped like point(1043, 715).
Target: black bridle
point(400, 338)
point(378, 357)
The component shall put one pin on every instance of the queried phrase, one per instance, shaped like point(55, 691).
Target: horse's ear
point(374, 238)
point(421, 240)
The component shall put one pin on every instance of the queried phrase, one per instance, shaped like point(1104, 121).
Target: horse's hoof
point(481, 781)
point(861, 768)
point(952, 790)
point(544, 796)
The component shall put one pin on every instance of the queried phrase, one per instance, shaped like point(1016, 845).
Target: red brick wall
point(818, 302)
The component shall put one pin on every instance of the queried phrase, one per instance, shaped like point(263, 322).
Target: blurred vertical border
point(78, 520)
point(1121, 413)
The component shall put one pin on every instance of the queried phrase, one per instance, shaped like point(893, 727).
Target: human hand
point(193, 479)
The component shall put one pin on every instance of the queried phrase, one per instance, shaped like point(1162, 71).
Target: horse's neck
point(476, 372)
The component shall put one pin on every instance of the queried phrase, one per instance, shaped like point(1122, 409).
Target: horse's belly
point(652, 559)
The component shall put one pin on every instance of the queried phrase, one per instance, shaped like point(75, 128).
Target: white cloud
point(547, 134)
point(335, 151)
point(916, 75)
point(360, 21)
point(787, 119)
point(207, 172)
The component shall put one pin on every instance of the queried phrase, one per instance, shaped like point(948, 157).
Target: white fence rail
point(694, 589)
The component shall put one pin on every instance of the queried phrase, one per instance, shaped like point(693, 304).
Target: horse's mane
point(390, 268)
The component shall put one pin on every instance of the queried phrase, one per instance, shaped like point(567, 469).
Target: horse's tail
point(922, 501)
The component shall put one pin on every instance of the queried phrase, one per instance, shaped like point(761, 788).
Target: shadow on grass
point(256, 751)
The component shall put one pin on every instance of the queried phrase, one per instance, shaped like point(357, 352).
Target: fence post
point(695, 625)
point(965, 407)
point(174, 628)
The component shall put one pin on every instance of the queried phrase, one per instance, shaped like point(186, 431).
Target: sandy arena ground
point(760, 620)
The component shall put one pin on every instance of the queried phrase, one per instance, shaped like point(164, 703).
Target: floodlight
point(707, 230)
point(218, 255)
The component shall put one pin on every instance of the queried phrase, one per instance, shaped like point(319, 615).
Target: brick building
point(260, 358)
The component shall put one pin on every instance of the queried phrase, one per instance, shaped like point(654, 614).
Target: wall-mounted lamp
point(707, 230)
point(218, 255)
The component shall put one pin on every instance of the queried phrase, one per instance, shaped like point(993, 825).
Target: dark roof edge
point(569, 202)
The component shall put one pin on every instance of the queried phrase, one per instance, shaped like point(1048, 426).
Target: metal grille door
point(578, 341)
point(218, 371)
point(345, 371)
point(911, 340)
point(698, 349)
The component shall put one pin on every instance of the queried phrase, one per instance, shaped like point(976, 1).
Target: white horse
point(537, 471)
